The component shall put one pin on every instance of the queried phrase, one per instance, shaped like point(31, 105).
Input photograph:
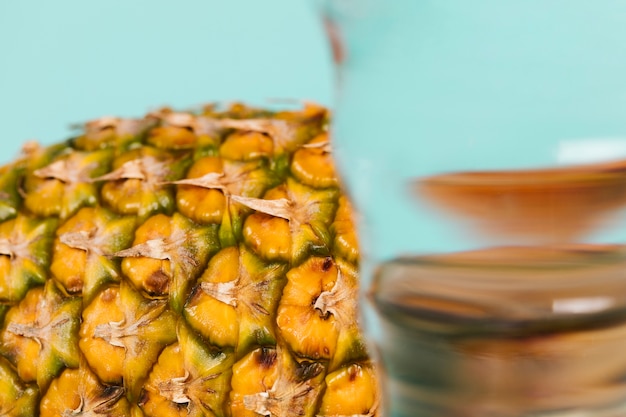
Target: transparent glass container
point(483, 144)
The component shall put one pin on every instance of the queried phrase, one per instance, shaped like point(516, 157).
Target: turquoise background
point(67, 61)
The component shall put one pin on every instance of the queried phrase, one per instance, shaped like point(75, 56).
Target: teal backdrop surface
point(67, 61)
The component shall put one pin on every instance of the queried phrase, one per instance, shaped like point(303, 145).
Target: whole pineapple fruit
point(182, 264)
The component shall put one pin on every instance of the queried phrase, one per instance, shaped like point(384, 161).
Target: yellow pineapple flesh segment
point(82, 256)
point(129, 331)
point(151, 274)
point(346, 242)
point(308, 213)
point(138, 184)
point(209, 193)
point(41, 337)
point(317, 314)
point(188, 380)
point(204, 195)
point(342, 302)
point(25, 244)
point(78, 392)
point(236, 299)
point(215, 315)
point(269, 236)
point(9, 191)
point(69, 264)
point(312, 164)
point(255, 373)
point(269, 382)
point(104, 309)
point(17, 399)
point(167, 255)
point(308, 331)
point(65, 185)
point(245, 146)
point(350, 391)
point(172, 137)
point(203, 205)
point(179, 131)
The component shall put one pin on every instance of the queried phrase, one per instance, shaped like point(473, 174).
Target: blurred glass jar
point(484, 145)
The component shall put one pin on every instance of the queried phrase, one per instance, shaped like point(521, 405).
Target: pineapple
point(182, 264)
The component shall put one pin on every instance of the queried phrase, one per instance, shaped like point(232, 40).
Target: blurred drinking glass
point(483, 144)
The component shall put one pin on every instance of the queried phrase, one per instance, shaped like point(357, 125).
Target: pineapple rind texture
point(182, 264)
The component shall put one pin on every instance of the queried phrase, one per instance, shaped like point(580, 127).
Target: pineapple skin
point(197, 263)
